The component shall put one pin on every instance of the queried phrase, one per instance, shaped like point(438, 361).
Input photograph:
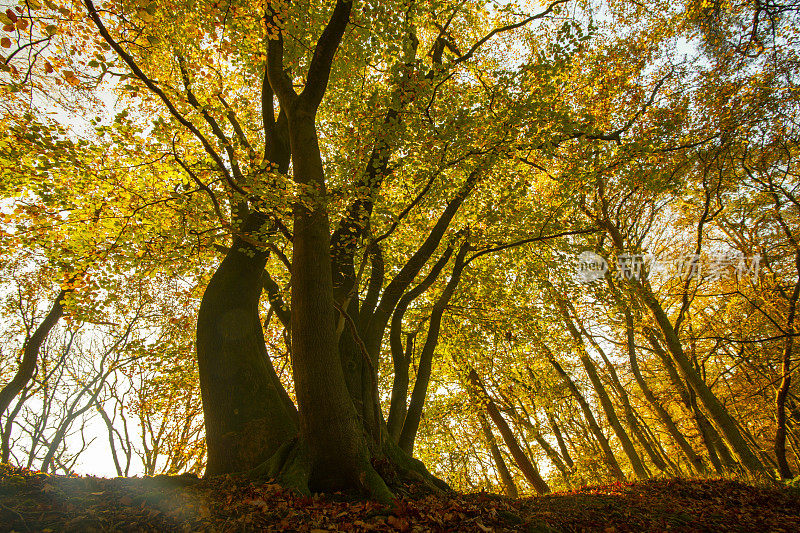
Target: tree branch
point(320, 68)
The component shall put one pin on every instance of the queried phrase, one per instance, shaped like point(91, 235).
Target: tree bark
point(605, 401)
point(401, 359)
point(329, 423)
point(630, 342)
point(786, 379)
point(562, 446)
point(409, 432)
point(248, 414)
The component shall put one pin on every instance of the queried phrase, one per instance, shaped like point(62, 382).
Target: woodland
point(386, 249)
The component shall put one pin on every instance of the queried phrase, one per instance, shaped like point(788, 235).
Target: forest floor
point(31, 501)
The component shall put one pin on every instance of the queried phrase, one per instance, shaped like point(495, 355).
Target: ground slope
point(31, 501)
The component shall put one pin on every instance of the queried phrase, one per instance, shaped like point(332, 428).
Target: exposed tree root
point(290, 467)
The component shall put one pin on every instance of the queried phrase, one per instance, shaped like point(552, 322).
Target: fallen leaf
point(482, 527)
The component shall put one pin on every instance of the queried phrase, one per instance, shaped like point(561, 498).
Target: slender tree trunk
point(402, 359)
point(551, 453)
point(112, 443)
point(608, 454)
point(524, 463)
point(414, 414)
point(8, 426)
point(786, 379)
point(505, 476)
point(398, 408)
point(630, 341)
point(712, 404)
point(562, 446)
point(605, 401)
point(30, 353)
point(708, 434)
point(694, 459)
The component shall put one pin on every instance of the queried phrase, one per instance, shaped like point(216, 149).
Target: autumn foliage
point(356, 247)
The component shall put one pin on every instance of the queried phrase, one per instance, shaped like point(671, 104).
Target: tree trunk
point(402, 359)
point(8, 426)
point(30, 353)
point(695, 460)
point(562, 446)
point(642, 289)
point(608, 454)
point(329, 425)
point(248, 414)
point(708, 434)
point(551, 453)
point(505, 476)
point(630, 341)
point(605, 401)
point(525, 465)
point(712, 404)
point(786, 379)
point(409, 432)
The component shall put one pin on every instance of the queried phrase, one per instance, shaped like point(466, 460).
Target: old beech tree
point(236, 89)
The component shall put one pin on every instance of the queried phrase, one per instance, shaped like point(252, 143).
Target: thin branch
point(150, 84)
point(506, 28)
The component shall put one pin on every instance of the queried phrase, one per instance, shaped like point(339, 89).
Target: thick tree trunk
point(248, 414)
point(329, 425)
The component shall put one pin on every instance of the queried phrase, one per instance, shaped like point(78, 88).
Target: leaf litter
point(33, 501)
